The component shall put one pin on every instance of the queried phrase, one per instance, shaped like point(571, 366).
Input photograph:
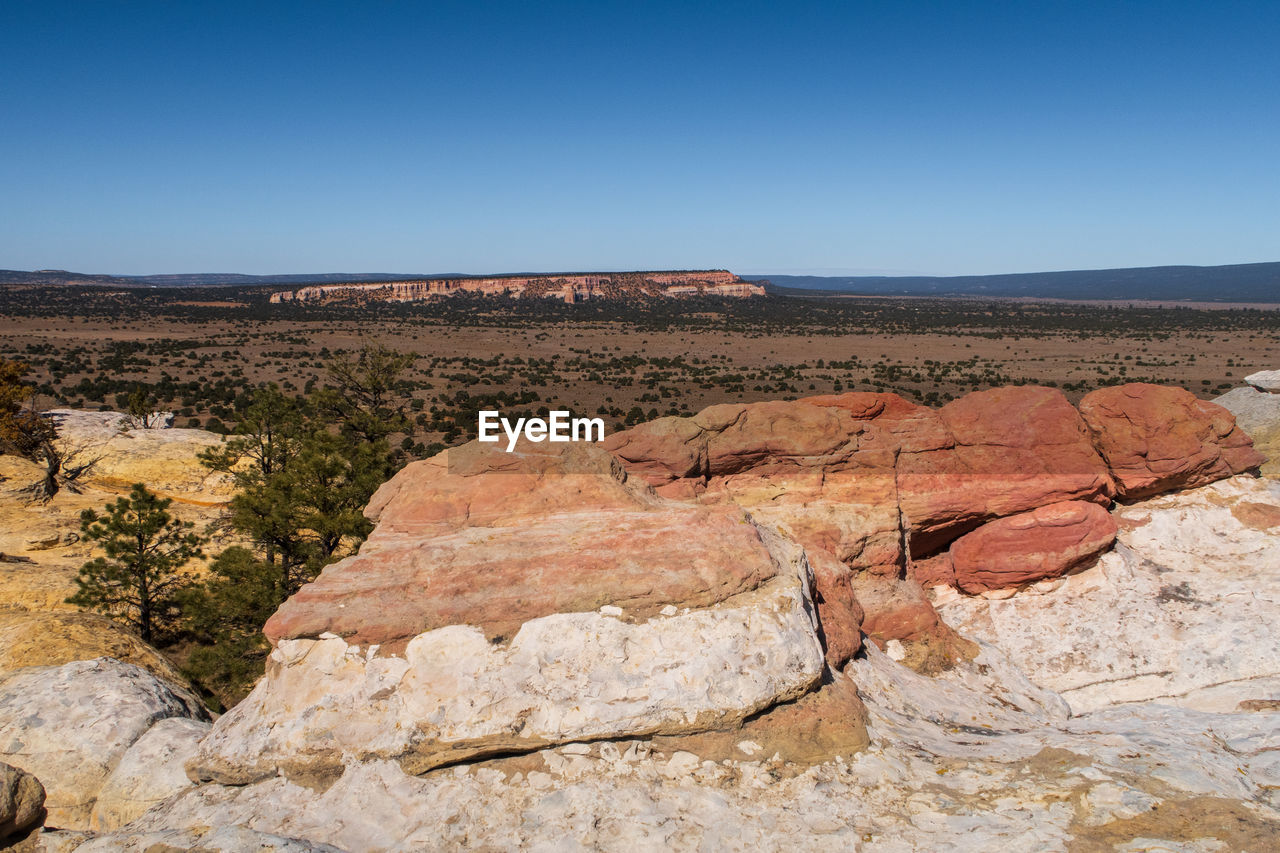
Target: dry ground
point(634, 362)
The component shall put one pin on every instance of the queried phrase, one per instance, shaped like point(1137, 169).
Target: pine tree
point(138, 579)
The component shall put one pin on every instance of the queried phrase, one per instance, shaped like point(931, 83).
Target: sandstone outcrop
point(1010, 450)
point(568, 287)
point(659, 645)
point(979, 758)
point(166, 460)
point(1020, 549)
point(71, 725)
point(883, 486)
point(150, 771)
point(1157, 438)
point(467, 541)
point(510, 601)
point(35, 638)
point(1182, 612)
point(21, 801)
point(1264, 380)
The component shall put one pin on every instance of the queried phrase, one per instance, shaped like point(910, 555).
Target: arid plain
point(193, 349)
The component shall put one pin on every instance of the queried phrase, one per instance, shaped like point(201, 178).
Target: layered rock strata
point(882, 487)
point(568, 287)
point(510, 601)
point(662, 649)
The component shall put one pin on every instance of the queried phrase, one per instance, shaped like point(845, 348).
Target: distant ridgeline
point(1231, 283)
point(568, 287)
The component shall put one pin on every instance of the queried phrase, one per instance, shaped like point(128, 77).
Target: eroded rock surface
point(151, 770)
point(1183, 611)
point(617, 613)
point(1157, 438)
point(978, 758)
point(1258, 414)
point(1046, 542)
point(37, 638)
point(663, 649)
point(70, 725)
point(166, 460)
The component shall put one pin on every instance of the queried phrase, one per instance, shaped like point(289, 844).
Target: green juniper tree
point(139, 578)
point(305, 469)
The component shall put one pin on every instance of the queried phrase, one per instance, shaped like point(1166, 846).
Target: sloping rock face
point(166, 460)
point(872, 481)
point(71, 725)
point(1267, 381)
point(880, 483)
point(1182, 612)
point(1156, 438)
point(461, 539)
point(33, 638)
point(150, 771)
point(1011, 450)
point(545, 599)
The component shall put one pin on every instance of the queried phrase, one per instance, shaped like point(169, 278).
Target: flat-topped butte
point(568, 287)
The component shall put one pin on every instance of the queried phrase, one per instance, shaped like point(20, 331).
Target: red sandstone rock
point(1014, 449)
point(480, 537)
point(937, 570)
point(841, 473)
point(1046, 542)
point(1156, 438)
point(839, 613)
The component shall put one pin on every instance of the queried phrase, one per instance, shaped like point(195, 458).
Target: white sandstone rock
point(976, 759)
point(1186, 609)
point(564, 677)
point(70, 725)
point(1265, 380)
point(150, 771)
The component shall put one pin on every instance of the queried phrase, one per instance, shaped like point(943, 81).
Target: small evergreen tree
point(225, 615)
point(138, 579)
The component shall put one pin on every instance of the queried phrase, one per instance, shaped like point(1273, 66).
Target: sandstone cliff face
point(569, 288)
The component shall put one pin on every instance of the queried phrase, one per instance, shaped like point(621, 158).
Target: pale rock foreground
point(453, 695)
point(976, 759)
point(1258, 414)
point(1183, 611)
point(150, 771)
point(72, 725)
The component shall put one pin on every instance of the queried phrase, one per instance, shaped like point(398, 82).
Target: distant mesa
point(567, 287)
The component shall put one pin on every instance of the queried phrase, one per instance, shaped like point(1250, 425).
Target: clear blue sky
point(945, 138)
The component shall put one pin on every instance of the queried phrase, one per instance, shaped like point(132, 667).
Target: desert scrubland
point(194, 351)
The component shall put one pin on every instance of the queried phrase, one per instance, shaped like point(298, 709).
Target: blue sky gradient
point(911, 137)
